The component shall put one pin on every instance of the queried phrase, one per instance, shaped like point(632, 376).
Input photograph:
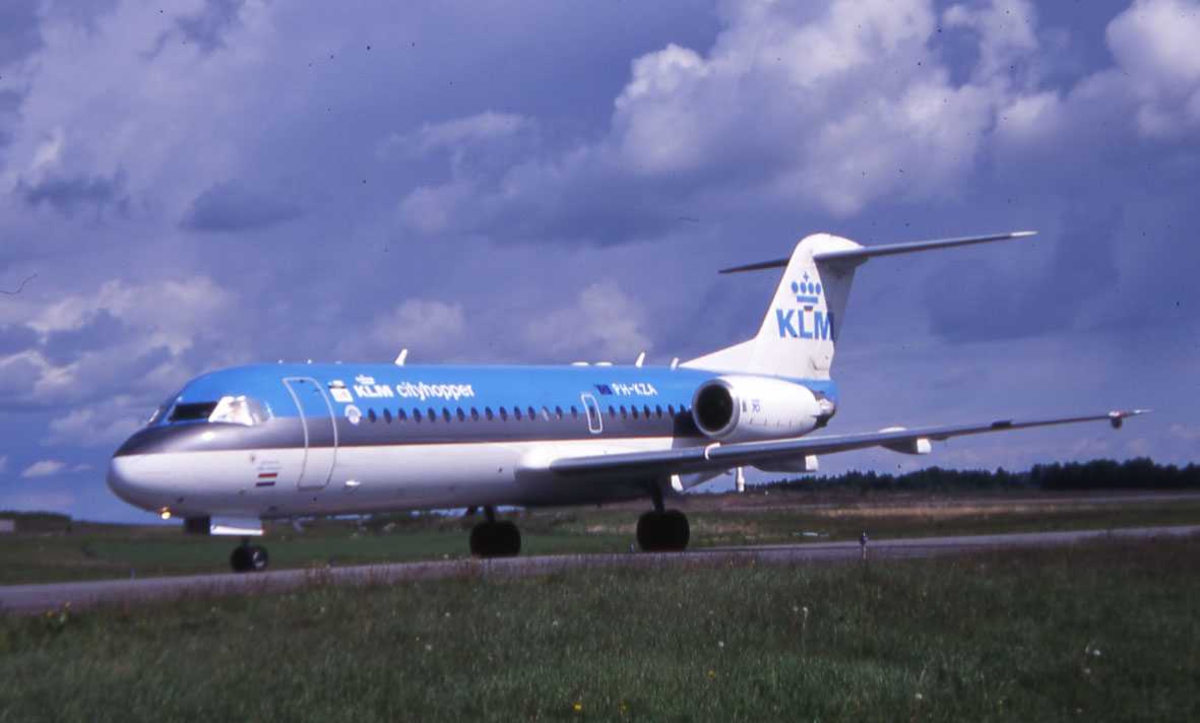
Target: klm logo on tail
point(810, 320)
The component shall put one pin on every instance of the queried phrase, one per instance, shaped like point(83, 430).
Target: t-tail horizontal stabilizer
point(859, 255)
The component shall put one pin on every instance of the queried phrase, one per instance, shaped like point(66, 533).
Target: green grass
point(106, 551)
point(1104, 631)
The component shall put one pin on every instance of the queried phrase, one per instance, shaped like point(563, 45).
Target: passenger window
point(517, 412)
point(416, 415)
point(658, 410)
point(532, 414)
point(558, 413)
point(646, 411)
point(387, 416)
point(445, 414)
point(624, 412)
point(611, 412)
point(487, 412)
point(671, 409)
point(635, 412)
point(574, 412)
point(504, 413)
point(432, 414)
point(401, 415)
point(462, 416)
point(474, 414)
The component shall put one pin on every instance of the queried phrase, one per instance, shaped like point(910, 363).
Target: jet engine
point(742, 408)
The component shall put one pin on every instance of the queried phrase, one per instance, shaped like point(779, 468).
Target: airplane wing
point(717, 456)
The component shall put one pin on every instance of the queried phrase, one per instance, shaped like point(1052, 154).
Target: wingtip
point(1126, 413)
point(1023, 234)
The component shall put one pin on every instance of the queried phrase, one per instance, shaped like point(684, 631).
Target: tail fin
point(801, 327)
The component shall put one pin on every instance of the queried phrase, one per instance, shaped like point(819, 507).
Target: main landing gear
point(662, 530)
point(248, 558)
point(495, 539)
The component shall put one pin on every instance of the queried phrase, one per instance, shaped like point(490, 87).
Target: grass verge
point(1099, 631)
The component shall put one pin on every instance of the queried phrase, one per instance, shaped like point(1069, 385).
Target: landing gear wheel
point(258, 558)
point(666, 531)
point(495, 539)
point(248, 558)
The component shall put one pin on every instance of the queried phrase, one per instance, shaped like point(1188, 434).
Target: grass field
point(1106, 631)
point(96, 551)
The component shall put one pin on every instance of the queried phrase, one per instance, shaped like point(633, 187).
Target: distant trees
point(1101, 474)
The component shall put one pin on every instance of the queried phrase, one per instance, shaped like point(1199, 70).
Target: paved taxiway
point(37, 598)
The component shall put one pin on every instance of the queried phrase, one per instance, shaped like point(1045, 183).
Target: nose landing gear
point(495, 539)
point(248, 558)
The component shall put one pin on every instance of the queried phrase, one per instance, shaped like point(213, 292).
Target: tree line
point(1102, 474)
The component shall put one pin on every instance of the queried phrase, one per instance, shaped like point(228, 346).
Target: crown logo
point(808, 293)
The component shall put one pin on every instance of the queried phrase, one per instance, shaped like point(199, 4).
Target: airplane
point(241, 445)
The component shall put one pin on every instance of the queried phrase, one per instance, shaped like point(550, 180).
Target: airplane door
point(320, 431)
point(592, 409)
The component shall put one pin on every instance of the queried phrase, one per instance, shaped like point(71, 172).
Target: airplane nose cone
point(137, 479)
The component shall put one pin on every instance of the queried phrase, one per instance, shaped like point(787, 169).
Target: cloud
point(120, 339)
point(3, 463)
point(103, 424)
point(43, 468)
point(229, 206)
point(424, 326)
point(458, 133)
point(19, 32)
point(69, 195)
point(602, 325)
point(1184, 432)
point(793, 106)
point(1154, 42)
point(208, 26)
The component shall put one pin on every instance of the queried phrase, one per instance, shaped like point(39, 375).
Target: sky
point(191, 184)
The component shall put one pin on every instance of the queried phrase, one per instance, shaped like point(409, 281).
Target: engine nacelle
point(737, 409)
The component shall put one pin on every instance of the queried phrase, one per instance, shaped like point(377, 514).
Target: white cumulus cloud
point(43, 468)
point(603, 324)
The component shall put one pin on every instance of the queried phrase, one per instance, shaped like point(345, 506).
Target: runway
point(39, 598)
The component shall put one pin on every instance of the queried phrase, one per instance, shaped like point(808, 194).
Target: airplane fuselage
point(317, 439)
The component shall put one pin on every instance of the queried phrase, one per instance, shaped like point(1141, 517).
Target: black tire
point(495, 539)
point(239, 559)
point(508, 539)
point(649, 532)
point(663, 531)
point(678, 531)
point(482, 536)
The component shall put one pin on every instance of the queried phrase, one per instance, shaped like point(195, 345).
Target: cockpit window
point(192, 411)
point(243, 410)
point(229, 410)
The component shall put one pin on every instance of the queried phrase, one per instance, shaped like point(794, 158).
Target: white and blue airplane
point(238, 446)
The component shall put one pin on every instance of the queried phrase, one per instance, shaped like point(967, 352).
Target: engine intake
point(732, 409)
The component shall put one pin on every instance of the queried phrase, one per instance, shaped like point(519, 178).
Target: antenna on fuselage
point(640, 360)
point(401, 357)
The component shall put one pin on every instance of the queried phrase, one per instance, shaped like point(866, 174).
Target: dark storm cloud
point(67, 195)
point(231, 207)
